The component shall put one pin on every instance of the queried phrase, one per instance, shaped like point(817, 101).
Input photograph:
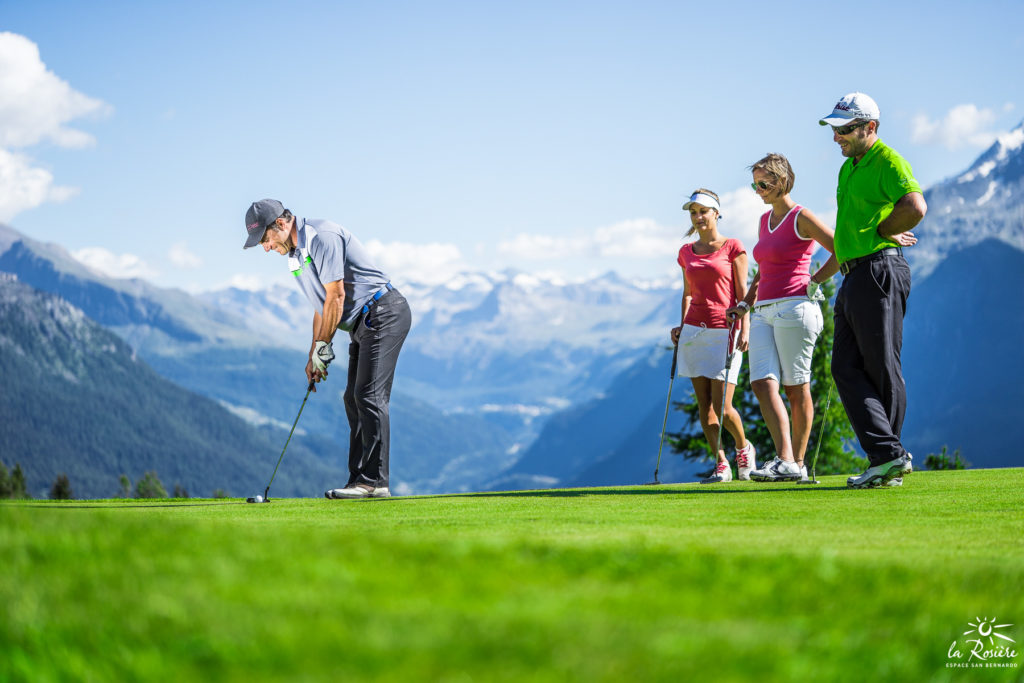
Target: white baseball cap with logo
point(854, 106)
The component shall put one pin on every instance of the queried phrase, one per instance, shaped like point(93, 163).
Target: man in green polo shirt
point(879, 203)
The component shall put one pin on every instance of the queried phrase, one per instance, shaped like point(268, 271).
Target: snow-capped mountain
point(491, 356)
point(981, 203)
point(497, 342)
point(495, 358)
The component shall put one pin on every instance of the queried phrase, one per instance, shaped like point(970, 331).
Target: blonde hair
point(779, 168)
point(704, 190)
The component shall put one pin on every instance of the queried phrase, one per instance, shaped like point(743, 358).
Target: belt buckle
point(376, 296)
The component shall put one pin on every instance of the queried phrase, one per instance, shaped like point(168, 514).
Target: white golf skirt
point(702, 354)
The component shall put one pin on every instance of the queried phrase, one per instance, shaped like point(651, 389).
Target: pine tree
point(943, 461)
point(61, 489)
point(18, 486)
point(5, 482)
point(150, 487)
point(125, 485)
point(836, 453)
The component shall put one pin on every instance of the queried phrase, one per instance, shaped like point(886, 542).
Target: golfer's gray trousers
point(377, 339)
point(866, 350)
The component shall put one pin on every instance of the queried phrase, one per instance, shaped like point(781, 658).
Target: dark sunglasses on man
point(846, 130)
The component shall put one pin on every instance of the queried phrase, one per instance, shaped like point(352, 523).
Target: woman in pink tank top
point(714, 278)
point(785, 316)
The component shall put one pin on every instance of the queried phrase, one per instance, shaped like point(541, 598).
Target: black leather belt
point(846, 266)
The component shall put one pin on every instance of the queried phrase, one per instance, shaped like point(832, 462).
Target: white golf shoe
point(357, 491)
point(746, 462)
point(722, 473)
point(349, 492)
point(883, 475)
point(777, 470)
point(803, 473)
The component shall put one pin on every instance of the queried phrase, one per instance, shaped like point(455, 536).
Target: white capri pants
point(782, 336)
point(702, 353)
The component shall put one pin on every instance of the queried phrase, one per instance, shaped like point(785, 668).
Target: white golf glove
point(814, 292)
point(323, 354)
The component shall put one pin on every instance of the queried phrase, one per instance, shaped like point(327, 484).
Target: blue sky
point(550, 137)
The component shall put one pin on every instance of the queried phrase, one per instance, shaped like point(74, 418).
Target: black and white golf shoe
point(883, 475)
point(777, 470)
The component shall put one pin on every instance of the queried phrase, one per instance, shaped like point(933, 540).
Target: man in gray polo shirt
point(349, 293)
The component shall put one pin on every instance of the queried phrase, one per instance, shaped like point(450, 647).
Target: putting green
point(739, 581)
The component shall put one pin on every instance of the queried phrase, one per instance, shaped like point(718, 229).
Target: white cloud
point(23, 187)
point(35, 106)
point(182, 258)
point(115, 265)
point(246, 281)
point(964, 124)
point(527, 247)
point(638, 238)
point(741, 211)
point(252, 283)
point(431, 263)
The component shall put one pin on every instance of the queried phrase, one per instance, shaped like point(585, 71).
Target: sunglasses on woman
point(762, 185)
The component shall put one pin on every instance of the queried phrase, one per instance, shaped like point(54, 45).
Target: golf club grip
point(675, 360)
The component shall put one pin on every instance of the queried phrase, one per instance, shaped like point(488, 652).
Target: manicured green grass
point(742, 581)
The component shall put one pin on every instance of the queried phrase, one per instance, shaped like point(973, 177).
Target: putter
point(821, 433)
point(265, 498)
point(668, 402)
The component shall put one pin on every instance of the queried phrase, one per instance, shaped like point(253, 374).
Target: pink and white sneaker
point(723, 473)
point(746, 461)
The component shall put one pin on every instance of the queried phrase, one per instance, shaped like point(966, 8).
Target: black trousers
point(377, 339)
point(866, 365)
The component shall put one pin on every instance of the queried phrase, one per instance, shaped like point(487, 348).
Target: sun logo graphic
point(987, 628)
point(985, 644)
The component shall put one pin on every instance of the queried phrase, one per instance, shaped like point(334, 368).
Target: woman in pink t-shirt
point(786, 319)
point(714, 277)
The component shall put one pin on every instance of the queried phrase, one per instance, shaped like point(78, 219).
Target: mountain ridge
point(508, 358)
point(78, 399)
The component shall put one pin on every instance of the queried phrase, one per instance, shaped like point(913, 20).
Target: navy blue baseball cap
point(258, 217)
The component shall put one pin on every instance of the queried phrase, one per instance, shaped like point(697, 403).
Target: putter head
point(808, 481)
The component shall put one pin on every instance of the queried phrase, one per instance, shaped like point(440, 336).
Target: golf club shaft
point(668, 402)
point(266, 492)
point(725, 387)
point(821, 431)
